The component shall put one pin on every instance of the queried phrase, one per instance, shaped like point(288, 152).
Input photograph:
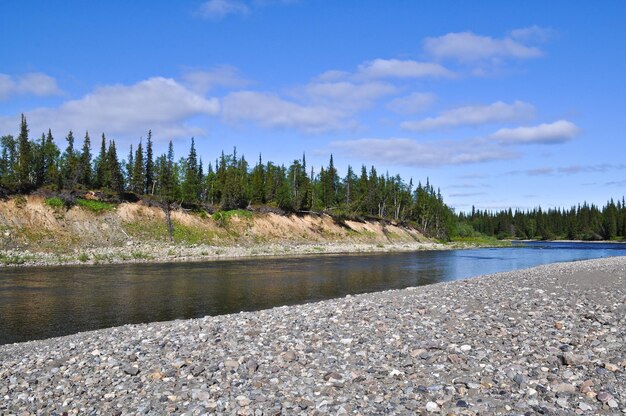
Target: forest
point(229, 182)
point(583, 222)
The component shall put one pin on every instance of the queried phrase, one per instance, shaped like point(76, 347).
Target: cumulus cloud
point(345, 95)
point(413, 103)
point(32, 83)
point(465, 194)
point(408, 152)
point(271, 111)
point(395, 68)
point(203, 81)
point(569, 170)
point(532, 33)
point(548, 133)
point(474, 115)
point(467, 46)
point(160, 104)
point(219, 9)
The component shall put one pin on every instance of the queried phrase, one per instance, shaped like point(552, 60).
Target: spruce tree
point(51, 154)
point(114, 178)
point(149, 171)
point(138, 173)
point(24, 158)
point(191, 182)
point(69, 166)
point(101, 166)
point(85, 162)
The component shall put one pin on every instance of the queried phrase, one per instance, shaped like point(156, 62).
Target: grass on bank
point(97, 207)
point(54, 202)
point(157, 231)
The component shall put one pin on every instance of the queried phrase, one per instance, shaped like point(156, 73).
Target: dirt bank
point(33, 232)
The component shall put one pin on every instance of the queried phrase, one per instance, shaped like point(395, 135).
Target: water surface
point(43, 302)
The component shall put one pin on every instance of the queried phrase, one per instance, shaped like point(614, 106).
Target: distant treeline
point(229, 182)
point(583, 222)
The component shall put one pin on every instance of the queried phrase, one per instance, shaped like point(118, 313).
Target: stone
point(565, 388)
point(604, 396)
point(569, 358)
point(562, 401)
point(432, 407)
point(131, 370)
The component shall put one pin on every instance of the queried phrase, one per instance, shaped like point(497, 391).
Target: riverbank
point(549, 339)
point(136, 252)
point(33, 233)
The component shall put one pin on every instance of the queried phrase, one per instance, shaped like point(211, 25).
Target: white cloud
point(408, 152)
point(203, 81)
point(219, 9)
point(347, 95)
point(160, 104)
point(395, 68)
point(32, 83)
point(467, 46)
point(271, 111)
point(332, 75)
point(532, 33)
point(413, 103)
point(474, 115)
point(548, 133)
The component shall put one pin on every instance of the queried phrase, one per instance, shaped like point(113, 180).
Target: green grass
point(83, 257)
point(157, 231)
point(54, 202)
point(15, 259)
point(224, 217)
point(94, 206)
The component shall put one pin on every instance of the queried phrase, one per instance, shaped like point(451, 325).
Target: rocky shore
point(154, 252)
point(548, 340)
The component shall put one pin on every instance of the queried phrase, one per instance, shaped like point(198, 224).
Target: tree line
point(582, 222)
point(228, 182)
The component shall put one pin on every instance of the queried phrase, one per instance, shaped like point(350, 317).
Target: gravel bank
point(549, 340)
point(139, 252)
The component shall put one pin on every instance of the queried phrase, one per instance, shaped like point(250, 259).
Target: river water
point(44, 302)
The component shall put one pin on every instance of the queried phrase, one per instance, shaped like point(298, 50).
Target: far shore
point(136, 252)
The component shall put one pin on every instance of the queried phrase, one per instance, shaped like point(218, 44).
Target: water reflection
point(44, 302)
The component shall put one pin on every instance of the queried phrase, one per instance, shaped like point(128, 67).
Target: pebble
point(484, 345)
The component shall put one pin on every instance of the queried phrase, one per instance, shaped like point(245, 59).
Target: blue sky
point(500, 104)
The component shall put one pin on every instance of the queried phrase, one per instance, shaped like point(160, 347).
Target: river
point(44, 302)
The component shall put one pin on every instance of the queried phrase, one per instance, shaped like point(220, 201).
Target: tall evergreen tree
point(69, 164)
point(191, 181)
point(149, 171)
point(114, 178)
point(84, 165)
point(101, 166)
point(138, 177)
point(24, 181)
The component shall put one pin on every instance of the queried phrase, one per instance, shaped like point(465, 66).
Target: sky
point(499, 104)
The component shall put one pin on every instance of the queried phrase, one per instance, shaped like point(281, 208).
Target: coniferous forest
point(231, 182)
point(226, 183)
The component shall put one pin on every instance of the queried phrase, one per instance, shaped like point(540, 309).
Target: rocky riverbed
point(548, 340)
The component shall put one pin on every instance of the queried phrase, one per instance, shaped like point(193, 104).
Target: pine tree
point(101, 166)
point(8, 163)
point(69, 165)
point(149, 171)
point(51, 156)
point(114, 178)
point(191, 182)
point(24, 181)
point(138, 172)
point(84, 165)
